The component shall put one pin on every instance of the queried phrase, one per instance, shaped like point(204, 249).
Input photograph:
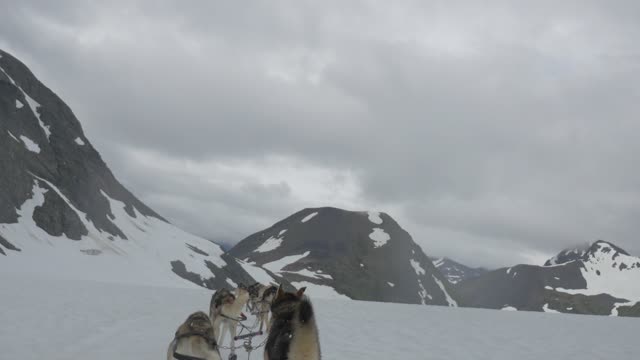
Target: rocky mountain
point(62, 209)
point(359, 255)
point(602, 279)
point(455, 271)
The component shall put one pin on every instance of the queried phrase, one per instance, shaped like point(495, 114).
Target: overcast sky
point(494, 134)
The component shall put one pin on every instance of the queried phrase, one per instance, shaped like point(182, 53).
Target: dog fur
point(194, 339)
point(225, 307)
point(293, 334)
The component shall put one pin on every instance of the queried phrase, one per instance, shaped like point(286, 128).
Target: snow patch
point(30, 144)
point(391, 284)
point(374, 217)
point(19, 105)
point(548, 287)
point(547, 309)
point(79, 141)
point(257, 273)
point(282, 232)
point(233, 284)
point(450, 301)
point(278, 265)
point(438, 262)
point(13, 137)
point(509, 308)
point(270, 244)
point(379, 237)
point(309, 217)
point(416, 266)
point(614, 311)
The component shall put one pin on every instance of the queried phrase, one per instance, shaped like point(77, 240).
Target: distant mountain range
point(602, 279)
point(64, 214)
point(455, 271)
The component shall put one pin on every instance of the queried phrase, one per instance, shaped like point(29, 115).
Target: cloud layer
point(494, 134)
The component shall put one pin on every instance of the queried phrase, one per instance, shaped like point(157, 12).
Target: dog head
point(285, 303)
point(269, 293)
point(222, 297)
point(242, 294)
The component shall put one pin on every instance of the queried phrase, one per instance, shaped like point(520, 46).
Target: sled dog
point(194, 340)
point(225, 310)
point(293, 334)
point(260, 299)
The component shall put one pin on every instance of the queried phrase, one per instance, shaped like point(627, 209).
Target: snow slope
point(609, 270)
point(67, 320)
point(143, 258)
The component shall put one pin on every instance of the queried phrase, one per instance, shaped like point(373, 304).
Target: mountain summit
point(360, 255)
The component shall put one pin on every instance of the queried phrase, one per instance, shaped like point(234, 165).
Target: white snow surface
point(509, 308)
point(391, 284)
point(278, 265)
point(30, 144)
point(19, 105)
point(145, 258)
point(379, 237)
point(309, 217)
point(374, 217)
point(79, 141)
point(270, 244)
point(257, 273)
point(320, 291)
point(67, 320)
point(619, 283)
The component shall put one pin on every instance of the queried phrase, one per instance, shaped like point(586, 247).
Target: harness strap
point(178, 356)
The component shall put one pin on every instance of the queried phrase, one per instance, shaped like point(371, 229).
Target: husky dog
point(225, 310)
point(194, 340)
point(260, 299)
point(264, 305)
point(293, 334)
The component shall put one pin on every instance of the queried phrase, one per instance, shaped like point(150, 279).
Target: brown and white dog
point(194, 340)
point(225, 310)
point(293, 334)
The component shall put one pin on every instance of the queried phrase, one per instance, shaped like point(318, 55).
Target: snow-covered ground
point(75, 319)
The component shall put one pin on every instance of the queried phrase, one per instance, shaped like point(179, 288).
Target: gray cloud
point(494, 134)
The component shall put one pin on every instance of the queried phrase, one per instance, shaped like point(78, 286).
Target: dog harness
point(195, 329)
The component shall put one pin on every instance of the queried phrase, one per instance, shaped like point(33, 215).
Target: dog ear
point(300, 291)
point(279, 293)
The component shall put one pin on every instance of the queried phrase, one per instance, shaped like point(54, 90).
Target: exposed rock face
point(360, 255)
